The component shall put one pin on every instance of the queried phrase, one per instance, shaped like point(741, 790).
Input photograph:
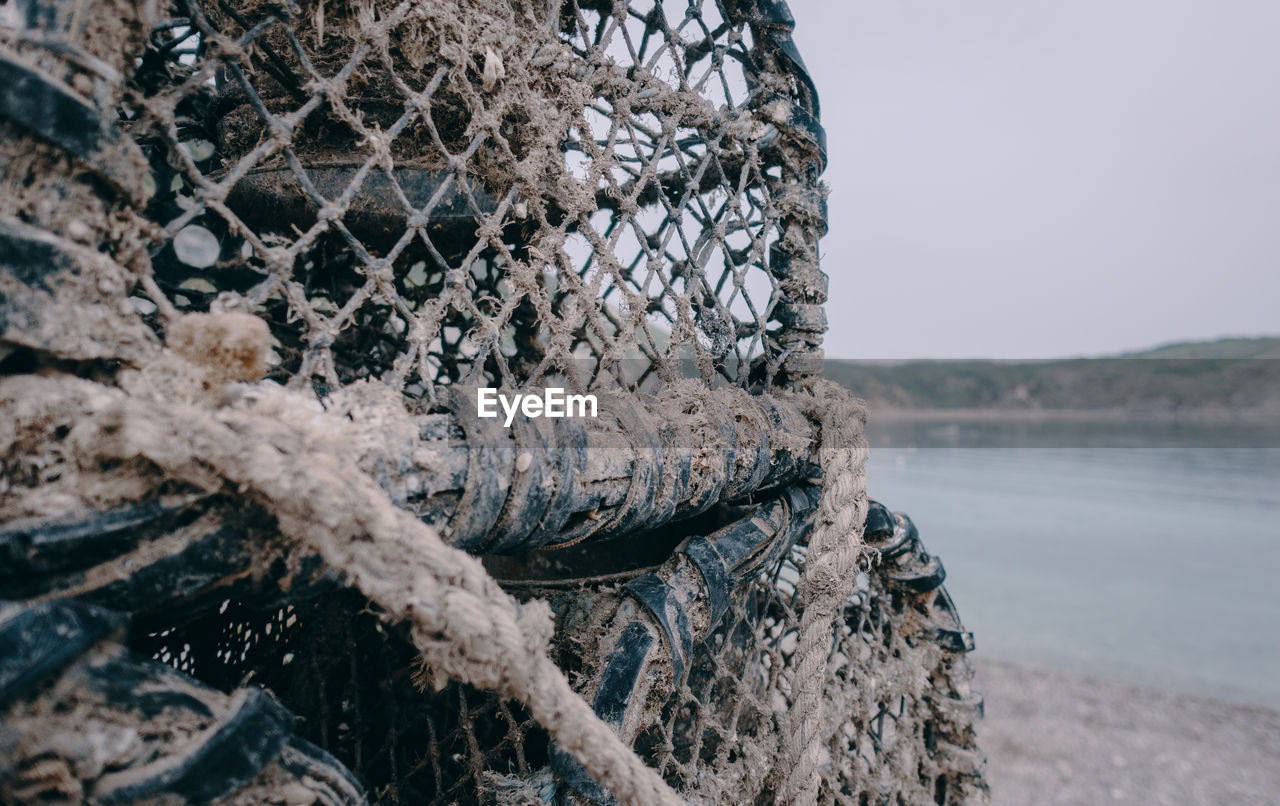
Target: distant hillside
point(1228, 378)
point(1268, 347)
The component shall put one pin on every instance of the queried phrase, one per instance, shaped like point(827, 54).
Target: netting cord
point(462, 622)
point(829, 573)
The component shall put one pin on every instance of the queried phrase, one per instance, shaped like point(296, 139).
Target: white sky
point(1039, 178)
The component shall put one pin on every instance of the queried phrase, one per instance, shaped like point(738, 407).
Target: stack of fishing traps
point(422, 198)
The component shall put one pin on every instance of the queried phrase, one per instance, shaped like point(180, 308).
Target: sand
point(1054, 737)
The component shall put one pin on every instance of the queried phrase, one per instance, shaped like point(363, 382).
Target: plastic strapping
point(746, 480)
point(679, 472)
point(646, 466)
point(489, 468)
point(530, 491)
point(570, 460)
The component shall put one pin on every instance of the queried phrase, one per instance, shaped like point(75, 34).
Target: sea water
point(1148, 552)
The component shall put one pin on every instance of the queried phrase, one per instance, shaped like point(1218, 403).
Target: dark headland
point(1226, 380)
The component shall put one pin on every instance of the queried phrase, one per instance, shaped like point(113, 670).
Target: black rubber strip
point(974, 705)
point(567, 768)
point(227, 758)
point(678, 473)
point(31, 255)
point(53, 113)
point(303, 759)
point(943, 610)
point(749, 543)
point(41, 545)
point(805, 126)
point(738, 552)
point(921, 580)
point(783, 264)
point(775, 20)
point(145, 687)
point(374, 214)
point(715, 575)
point(949, 639)
point(622, 673)
point(659, 599)
point(785, 420)
point(944, 624)
point(802, 504)
point(905, 538)
point(743, 541)
point(801, 316)
point(616, 687)
point(729, 436)
point(878, 525)
point(749, 470)
point(43, 639)
point(211, 562)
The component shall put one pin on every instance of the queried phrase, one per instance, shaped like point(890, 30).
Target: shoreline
point(1064, 737)
point(1122, 416)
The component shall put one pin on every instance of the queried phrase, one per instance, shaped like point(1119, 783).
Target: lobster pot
point(403, 202)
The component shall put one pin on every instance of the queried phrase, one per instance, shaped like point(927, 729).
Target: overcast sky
point(1041, 178)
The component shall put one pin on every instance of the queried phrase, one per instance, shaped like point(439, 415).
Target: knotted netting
point(344, 217)
point(494, 193)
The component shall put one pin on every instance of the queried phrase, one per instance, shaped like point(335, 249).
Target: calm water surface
point(1145, 552)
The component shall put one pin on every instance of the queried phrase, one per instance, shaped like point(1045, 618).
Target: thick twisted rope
point(829, 570)
point(298, 463)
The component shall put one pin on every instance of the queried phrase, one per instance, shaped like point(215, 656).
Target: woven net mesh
point(492, 192)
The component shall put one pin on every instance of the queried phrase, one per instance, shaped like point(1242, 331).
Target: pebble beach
point(1054, 737)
